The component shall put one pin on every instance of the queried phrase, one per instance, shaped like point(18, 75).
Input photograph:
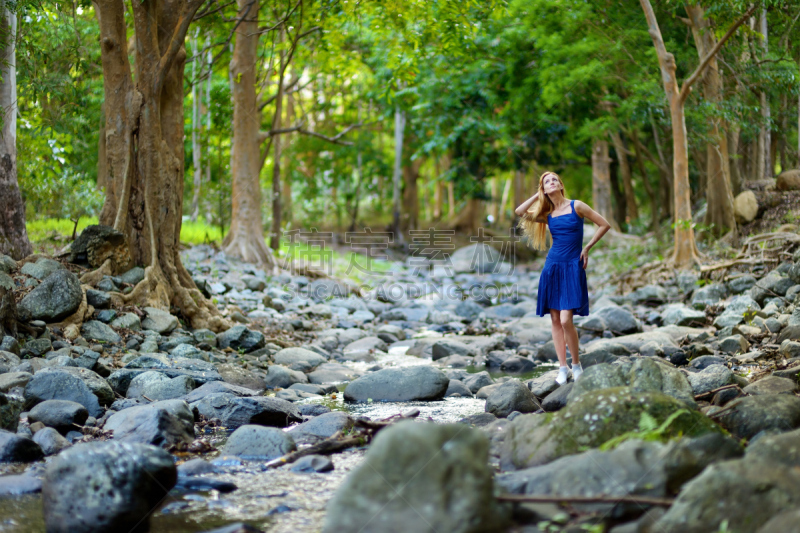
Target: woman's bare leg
point(570, 335)
point(558, 337)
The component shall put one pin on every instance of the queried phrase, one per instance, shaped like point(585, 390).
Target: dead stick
point(645, 500)
point(326, 447)
point(713, 392)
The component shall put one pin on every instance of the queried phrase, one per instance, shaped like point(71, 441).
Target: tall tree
point(144, 149)
point(685, 250)
point(601, 182)
point(13, 233)
point(719, 192)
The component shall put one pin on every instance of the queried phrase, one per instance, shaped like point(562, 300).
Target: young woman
point(562, 284)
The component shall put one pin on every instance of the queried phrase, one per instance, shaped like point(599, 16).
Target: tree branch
point(175, 43)
point(687, 85)
point(207, 12)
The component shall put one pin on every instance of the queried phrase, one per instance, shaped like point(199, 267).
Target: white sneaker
point(577, 370)
point(563, 372)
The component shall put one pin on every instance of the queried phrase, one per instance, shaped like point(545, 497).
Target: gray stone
point(477, 381)
point(60, 385)
point(749, 415)
point(558, 399)
point(98, 299)
point(133, 276)
point(289, 356)
point(56, 298)
point(10, 344)
point(240, 338)
point(331, 373)
point(710, 378)
point(213, 387)
point(106, 486)
point(457, 388)
point(681, 315)
point(127, 321)
point(440, 474)
point(168, 389)
point(159, 321)
point(237, 375)
point(281, 377)
point(16, 449)
point(50, 441)
point(61, 415)
point(10, 409)
point(205, 335)
point(366, 344)
point(543, 385)
point(312, 463)
point(137, 386)
point(42, 268)
point(734, 344)
point(782, 448)
point(708, 295)
point(741, 284)
point(745, 494)
point(9, 360)
point(37, 347)
point(94, 330)
point(619, 320)
point(259, 442)
point(415, 383)
point(513, 395)
point(321, 427)
point(7, 264)
point(234, 411)
point(446, 347)
point(11, 380)
point(789, 349)
point(771, 385)
point(162, 424)
point(188, 351)
point(96, 384)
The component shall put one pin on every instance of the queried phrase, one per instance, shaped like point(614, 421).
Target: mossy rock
point(593, 419)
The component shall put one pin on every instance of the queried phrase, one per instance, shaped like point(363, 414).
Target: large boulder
point(235, 411)
point(60, 385)
point(593, 419)
point(259, 442)
point(159, 321)
point(161, 424)
point(321, 427)
point(61, 415)
point(788, 180)
point(743, 493)
point(106, 486)
point(618, 320)
point(290, 356)
point(94, 330)
point(745, 417)
point(513, 395)
point(419, 477)
point(17, 449)
point(56, 298)
point(406, 384)
point(745, 207)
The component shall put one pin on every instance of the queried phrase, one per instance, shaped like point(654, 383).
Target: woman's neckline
point(565, 214)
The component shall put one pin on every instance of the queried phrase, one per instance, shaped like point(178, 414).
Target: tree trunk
point(631, 211)
point(601, 183)
point(618, 193)
point(13, 233)
point(437, 192)
point(451, 200)
point(245, 238)
point(652, 193)
point(521, 192)
point(494, 206)
point(764, 137)
point(286, 192)
point(144, 148)
point(410, 217)
point(735, 160)
point(196, 153)
point(399, 130)
point(209, 66)
point(504, 200)
point(275, 234)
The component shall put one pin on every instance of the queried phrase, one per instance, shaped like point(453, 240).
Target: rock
point(650, 294)
point(290, 356)
point(745, 207)
point(681, 315)
point(440, 474)
point(16, 449)
point(98, 299)
point(331, 373)
point(771, 385)
point(591, 420)
point(11, 380)
point(744, 493)
point(259, 442)
point(42, 268)
point(60, 415)
point(708, 295)
point(281, 377)
point(162, 424)
point(127, 321)
point(10, 409)
point(106, 486)
point(94, 330)
point(56, 298)
point(241, 338)
point(781, 448)
point(96, 244)
point(60, 385)
point(213, 387)
point(557, 400)
point(50, 441)
point(457, 388)
point(98, 385)
point(10, 344)
point(234, 411)
point(749, 415)
point(236, 375)
point(36, 347)
point(168, 389)
point(786, 522)
point(788, 180)
point(321, 427)
point(312, 463)
point(159, 321)
point(734, 344)
point(517, 365)
point(618, 320)
point(9, 360)
point(543, 385)
point(710, 378)
point(133, 276)
point(446, 347)
point(7, 264)
point(741, 284)
point(365, 345)
point(508, 397)
point(406, 384)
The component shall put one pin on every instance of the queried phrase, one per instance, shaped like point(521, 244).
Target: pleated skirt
point(562, 286)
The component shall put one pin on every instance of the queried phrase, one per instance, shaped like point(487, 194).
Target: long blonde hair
point(543, 206)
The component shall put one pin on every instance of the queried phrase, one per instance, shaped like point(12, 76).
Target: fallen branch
point(642, 500)
point(713, 392)
point(364, 431)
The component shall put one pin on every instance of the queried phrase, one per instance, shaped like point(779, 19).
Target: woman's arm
point(523, 207)
point(587, 212)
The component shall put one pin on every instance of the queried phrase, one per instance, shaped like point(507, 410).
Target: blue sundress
point(562, 284)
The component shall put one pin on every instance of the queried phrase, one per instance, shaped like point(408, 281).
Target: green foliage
point(649, 430)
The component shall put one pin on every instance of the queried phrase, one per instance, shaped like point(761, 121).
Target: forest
point(265, 266)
